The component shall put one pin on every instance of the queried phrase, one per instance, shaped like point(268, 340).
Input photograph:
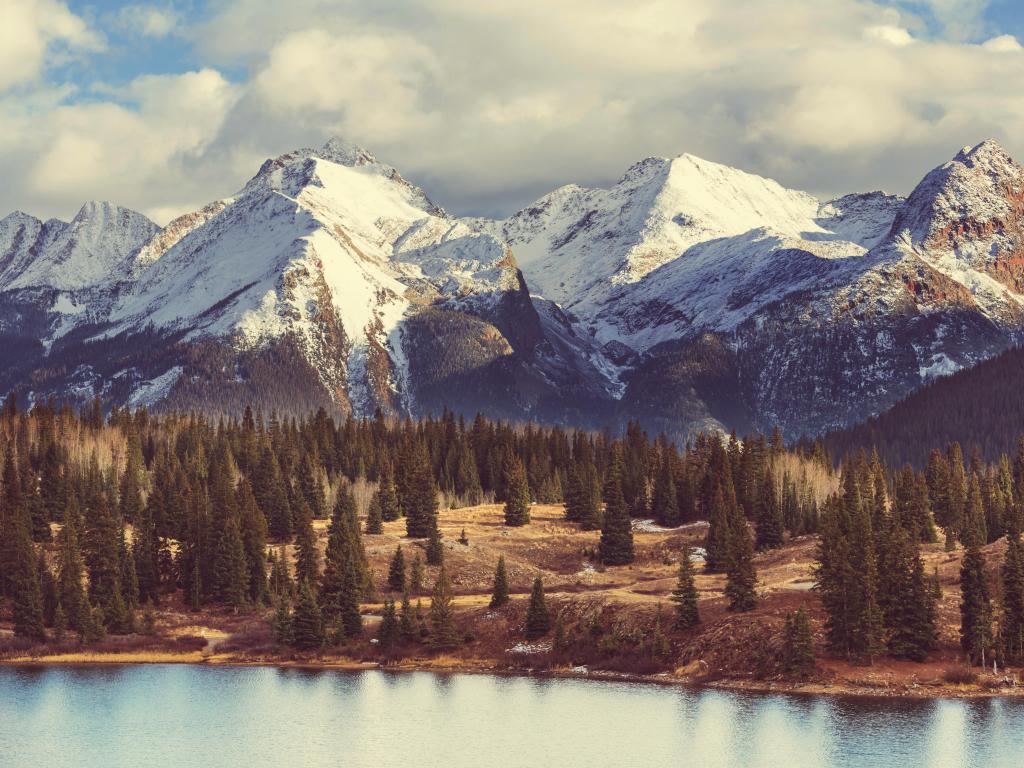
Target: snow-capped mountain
point(729, 300)
point(324, 273)
point(687, 295)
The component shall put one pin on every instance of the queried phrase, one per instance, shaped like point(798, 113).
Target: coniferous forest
point(114, 526)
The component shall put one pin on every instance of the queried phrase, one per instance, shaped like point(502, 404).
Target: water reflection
point(219, 716)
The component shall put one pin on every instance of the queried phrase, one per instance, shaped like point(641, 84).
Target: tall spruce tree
point(975, 603)
point(769, 515)
point(1011, 620)
point(538, 618)
point(616, 544)
point(443, 632)
point(517, 493)
point(307, 625)
point(797, 645)
point(396, 571)
point(499, 592)
point(685, 594)
point(740, 575)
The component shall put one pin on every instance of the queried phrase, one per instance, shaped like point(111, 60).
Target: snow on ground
point(148, 392)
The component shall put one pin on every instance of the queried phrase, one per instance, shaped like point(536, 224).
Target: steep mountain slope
point(315, 285)
point(689, 295)
point(978, 407)
point(729, 300)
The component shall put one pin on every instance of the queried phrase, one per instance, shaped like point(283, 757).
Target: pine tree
point(375, 516)
point(307, 556)
point(665, 499)
point(253, 527)
point(499, 594)
point(616, 543)
point(1011, 621)
point(685, 594)
point(797, 645)
point(517, 493)
point(396, 571)
point(910, 615)
point(435, 549)
point(442, 614)
point(975, 605)
point(421, 500)
point(406, 620)
point(282, 621)
point(27, 599)
point(416, 575)
point(390, 631)
point(271, 493)
point(307, 626)
point(71, 594)
point(769, 515)
point(538, 620)
point(230, 574)
point(386, 496)
point(740, 576)
point(344, 579)
point(716, 542)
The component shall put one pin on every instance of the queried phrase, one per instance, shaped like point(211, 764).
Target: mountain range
point(688, 295)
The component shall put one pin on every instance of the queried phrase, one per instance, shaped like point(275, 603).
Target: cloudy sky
point(488, 104)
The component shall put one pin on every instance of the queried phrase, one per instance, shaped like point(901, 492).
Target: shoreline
point(917, 691)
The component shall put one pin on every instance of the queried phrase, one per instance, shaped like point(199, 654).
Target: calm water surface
point(220, 717)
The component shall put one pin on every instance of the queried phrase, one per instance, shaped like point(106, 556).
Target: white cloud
point(34, 33)
point(148, 20)
point(489, 104)
point(889, 34)
point(1002, 44)
point(140, 149)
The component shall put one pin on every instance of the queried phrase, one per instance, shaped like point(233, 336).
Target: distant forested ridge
point(981, 408)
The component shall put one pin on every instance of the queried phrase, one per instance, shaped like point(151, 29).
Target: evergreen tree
point(716, 542)
point(406, 620)
point(797, 645)
point(71, 594)
point(1011, 621)
point(685, 594)
point(307, 556)
point(499, 594)
point(396, 571)
point(253, 527)
point(616, 543)
point(416, 575)
point(271, 493)
point(740, 576)
point(975, 604)
point(282, 621)
point(442, 614)
point(390, 631)
point(344, 578)
point(307, 626)
point(420, 501)
point(665, 499)
point(435, 549)
point(538, 620)
point(386, 496)
point(230, 572)
point(374, 516)
point(517, 493)
point(769, 515)
point(910, 614)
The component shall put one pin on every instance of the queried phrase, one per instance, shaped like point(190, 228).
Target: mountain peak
point(987, 151)
point(342, 152)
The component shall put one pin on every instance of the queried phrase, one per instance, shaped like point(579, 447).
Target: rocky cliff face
point(689, 295)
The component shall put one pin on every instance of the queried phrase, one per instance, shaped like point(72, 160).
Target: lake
point(215, 717)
